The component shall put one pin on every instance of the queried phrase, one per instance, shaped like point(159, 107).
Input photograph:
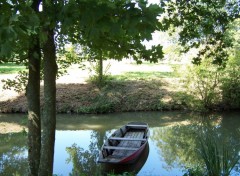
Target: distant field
point(10, 68)
point(118, 71)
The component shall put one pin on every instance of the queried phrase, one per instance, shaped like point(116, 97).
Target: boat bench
point(126, 139)
point(127, 143)
point(120, 148)
point(144, 126)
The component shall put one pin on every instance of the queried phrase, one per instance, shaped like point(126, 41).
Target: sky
point(154, 1)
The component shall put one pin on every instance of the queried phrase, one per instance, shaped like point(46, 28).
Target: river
point(180, 143)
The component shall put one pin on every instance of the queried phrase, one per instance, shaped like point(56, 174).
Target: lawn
point(11, 68)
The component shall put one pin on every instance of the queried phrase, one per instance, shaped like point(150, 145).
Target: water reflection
point(207, 146)
point(84, 161)
point(179, 144)
point(13, 158)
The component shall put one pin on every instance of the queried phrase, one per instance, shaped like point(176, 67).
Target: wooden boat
point(133, 168)
point(126, 144)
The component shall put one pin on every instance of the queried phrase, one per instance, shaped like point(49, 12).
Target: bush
point(203, 82)
point(104, 102)
point(231, 79)
point(98, 74)
point(231, 83)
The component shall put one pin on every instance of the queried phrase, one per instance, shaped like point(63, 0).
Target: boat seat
point(127, 139)
point(120, 148)
point(144, 126)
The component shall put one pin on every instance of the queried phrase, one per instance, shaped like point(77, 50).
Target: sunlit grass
point(11, 68)
point(138, 75)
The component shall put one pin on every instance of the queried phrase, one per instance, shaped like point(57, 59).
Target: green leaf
point(5, 49)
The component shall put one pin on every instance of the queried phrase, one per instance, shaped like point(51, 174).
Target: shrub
point(98, 76)
point(202, 82)
point(231, 83)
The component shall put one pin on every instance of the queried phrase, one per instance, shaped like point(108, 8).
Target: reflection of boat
point(125, 144)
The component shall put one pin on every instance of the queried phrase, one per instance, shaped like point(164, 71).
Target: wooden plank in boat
point(120, 148)
point(129, 125)
point(132, 134)
point(131, 144)
point(126, 139)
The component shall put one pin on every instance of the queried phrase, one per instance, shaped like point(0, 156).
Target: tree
point(231, 76)
point(19, 39)
point(203, 25)
point(114, 30)
point(33, 98)
point(27, 32)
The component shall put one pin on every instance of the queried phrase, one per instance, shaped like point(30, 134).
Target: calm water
point(177, 143)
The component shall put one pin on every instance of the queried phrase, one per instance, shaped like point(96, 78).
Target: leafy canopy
point(19, 22)
point(203, 25)
point(113, 29)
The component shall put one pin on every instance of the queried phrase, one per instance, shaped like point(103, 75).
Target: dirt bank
point(115, 97)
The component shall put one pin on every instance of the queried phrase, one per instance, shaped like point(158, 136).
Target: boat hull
point(133, 168)
point(126, 144)
point(132, 158)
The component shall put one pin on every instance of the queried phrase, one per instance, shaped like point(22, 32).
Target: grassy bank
point(116, 96)
point(128, 87)
point(137, 90)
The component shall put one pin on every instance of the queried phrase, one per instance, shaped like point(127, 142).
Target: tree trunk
point(49, 111)
point(33, 98)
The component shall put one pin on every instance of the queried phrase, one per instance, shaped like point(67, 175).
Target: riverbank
point(130, 87)
point(116, 96)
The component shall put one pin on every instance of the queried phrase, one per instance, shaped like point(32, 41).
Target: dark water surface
point(179, 143)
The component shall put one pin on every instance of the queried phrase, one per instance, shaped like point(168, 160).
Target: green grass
point(11, 68)
point(144, 75)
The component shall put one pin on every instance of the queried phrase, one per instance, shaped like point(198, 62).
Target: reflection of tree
point(184, 145)
point(13, 160)
point(177, 145)
point(84, 161)
point(219, 148)
point(219, 155)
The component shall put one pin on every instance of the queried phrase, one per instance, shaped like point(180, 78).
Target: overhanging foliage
point(203, 25)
